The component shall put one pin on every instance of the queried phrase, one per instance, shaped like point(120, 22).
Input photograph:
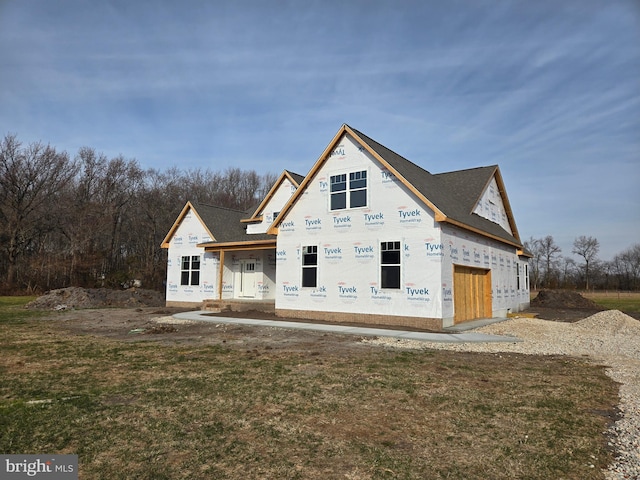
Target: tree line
point(96, 221)
point(550, 269)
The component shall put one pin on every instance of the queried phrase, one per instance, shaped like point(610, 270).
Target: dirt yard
point(138, 314)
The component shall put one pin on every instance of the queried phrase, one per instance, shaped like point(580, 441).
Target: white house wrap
point(368, 237)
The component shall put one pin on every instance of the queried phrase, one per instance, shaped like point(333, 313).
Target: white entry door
point(247, 279)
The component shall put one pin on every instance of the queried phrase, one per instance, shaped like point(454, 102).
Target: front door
point(247, 279)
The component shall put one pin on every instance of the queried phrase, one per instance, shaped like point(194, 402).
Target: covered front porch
point(246, 275)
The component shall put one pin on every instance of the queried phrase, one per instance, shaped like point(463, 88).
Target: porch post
point(220, 274)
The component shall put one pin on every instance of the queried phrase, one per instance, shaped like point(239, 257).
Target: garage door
point(471, 293)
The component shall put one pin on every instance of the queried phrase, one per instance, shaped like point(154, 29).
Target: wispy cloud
point(546, 89)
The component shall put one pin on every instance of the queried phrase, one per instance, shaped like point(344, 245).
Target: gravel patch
point(609, 338)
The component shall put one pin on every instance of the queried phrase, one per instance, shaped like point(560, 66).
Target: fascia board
point(273, 229)
point(229, 246)
point(188, 206)
point(506, 203)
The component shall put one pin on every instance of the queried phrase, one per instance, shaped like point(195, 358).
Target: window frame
point(396, 248)
point(190, 270)
point(346, 188)
point(309, 267)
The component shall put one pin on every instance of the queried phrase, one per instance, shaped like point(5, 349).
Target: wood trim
point(236, 246)
point(272, 191)
point(273, 229)
point(505, 201)
point(220, 273)
point(481, 232)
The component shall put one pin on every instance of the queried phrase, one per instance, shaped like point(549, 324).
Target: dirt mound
point(76, 297)
point(563, 299)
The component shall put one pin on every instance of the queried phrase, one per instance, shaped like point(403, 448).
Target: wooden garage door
point(471, 293)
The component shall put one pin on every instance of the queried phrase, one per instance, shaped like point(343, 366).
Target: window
point(310, 266)
point(348, 195)
point(390, 264)
point(190, 274)
point(517, 276)
point(526, 276)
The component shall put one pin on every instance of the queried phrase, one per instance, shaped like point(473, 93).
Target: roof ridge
point(465, 170)
point(196, 203)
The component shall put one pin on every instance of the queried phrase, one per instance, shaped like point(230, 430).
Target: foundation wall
point(373, 320)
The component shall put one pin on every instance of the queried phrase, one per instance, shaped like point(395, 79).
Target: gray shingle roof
point(224, 224)
point(455, 194)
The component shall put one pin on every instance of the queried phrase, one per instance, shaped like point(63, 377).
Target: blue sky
point(549, 90)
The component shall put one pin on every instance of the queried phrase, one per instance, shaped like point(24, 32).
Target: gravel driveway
point(609, 338)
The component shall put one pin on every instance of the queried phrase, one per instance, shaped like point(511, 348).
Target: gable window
point(348, 192)
point(190, 271)
point(390, 264)
point(310, 266)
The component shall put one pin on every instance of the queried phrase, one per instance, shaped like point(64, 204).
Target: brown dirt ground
point(139, 323)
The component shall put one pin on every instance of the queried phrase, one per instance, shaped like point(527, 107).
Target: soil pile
point(76, 297)
point(563, 299)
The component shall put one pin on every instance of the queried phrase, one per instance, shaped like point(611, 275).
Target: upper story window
point(348, 190)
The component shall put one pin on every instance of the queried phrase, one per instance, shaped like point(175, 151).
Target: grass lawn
point(151, 410)
point(628, 302)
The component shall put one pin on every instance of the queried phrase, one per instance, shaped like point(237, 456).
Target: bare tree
point(587, 248)
point(533, 246)
point(31, 181)
point(548, 251)
point(626, 268)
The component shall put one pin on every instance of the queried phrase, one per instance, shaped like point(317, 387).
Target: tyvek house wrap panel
point(184, 242)
point(275, 204)
point(491, 206)
point(348, 244)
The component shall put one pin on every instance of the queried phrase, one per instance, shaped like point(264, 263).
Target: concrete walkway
point(202, 316)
